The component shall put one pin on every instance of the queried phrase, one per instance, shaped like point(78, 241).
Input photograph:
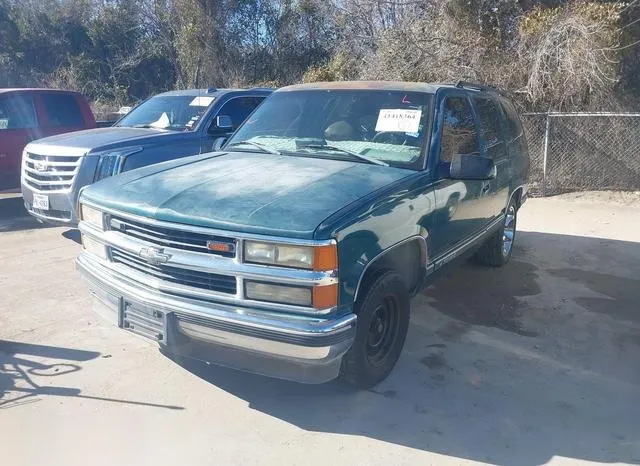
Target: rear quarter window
point(514, 127)
point(62, 110)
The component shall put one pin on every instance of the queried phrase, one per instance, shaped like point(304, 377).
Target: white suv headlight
point(92, 216)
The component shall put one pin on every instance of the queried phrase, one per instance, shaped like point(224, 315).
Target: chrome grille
point(50, 172)
point(171, 237)
point(187, 277)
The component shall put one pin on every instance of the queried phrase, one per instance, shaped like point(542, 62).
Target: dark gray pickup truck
point(167, 126)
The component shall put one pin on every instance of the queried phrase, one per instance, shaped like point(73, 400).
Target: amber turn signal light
point(218, 246)
point(325, 257)
point(325, 296)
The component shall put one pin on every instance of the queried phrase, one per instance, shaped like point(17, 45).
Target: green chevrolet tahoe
point(295, 250)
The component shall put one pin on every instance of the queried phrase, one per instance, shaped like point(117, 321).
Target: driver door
point(460, 204)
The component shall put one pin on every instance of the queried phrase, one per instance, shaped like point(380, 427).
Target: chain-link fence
point(583, 151)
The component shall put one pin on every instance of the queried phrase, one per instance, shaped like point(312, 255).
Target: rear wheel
point(497, 250)
point(383, 321)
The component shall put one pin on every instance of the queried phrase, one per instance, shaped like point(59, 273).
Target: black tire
point(375, 351)
point(494, 252)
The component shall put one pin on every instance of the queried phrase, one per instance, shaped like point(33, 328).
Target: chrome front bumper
point(62, 206)
point(299, 348)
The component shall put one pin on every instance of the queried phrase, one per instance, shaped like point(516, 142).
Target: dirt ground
point(534, 363)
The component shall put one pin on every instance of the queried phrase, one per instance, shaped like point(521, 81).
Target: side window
point(240, 108)
point(17, 112)
point(514, 127)
point(62, 110)
point(458, 129)
point(490, 118)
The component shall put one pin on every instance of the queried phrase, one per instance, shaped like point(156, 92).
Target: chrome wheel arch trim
point(515, 190)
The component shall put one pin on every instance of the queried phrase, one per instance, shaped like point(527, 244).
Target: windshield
point(177, 113)
point(368, 126)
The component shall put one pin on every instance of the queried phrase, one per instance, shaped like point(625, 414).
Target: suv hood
point(245, 192)
point(98, 140)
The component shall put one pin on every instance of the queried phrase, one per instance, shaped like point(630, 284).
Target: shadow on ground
point(22, 363)
point(478, 380)
point(73, 235)
point(14, 217)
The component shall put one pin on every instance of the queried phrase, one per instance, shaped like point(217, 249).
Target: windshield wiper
point(262, 147)
point(145, 126)
point(344, 151)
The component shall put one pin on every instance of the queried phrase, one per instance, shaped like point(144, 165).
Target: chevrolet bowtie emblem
point(154, 255)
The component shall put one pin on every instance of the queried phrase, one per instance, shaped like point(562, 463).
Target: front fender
point(380, 228)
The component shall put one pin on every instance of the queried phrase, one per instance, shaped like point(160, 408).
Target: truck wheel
point(497, 250)
point(452, 206)
point(383, 321)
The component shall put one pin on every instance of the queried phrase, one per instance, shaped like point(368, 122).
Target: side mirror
point(222, 123)
point(472, 167)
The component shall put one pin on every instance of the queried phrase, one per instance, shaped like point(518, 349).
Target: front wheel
point(383, 321)
point(498, 248)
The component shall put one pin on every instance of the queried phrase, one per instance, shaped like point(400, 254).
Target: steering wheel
point(389, 137)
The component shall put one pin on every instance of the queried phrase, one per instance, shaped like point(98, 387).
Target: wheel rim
point(509, 231)
point(452, 209)
point(383, 331)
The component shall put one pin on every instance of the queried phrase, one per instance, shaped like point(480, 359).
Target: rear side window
point(62, 110)
point(490, 119)
point(458, 129)
point(17, 112)
point(514, 128)
point(240, 108)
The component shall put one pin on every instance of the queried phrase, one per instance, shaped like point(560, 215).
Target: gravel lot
point(533, 363)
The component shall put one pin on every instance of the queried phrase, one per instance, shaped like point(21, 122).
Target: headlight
point(285, 255)
point(92, 216)
point(110, 163)
point(94, 247)
point(319, 297)
point(278, 293)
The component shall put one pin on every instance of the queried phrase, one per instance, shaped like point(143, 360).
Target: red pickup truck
point(28, 114)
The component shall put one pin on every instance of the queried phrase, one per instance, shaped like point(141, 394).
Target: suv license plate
point(40, 201)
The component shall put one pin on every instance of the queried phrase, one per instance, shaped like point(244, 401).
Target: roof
point(211, 91)
point(35, 89)
point(366, 85)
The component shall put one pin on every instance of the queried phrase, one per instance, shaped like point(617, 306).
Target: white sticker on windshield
point(201, 101)
point(399, 120)
point(162, 122)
